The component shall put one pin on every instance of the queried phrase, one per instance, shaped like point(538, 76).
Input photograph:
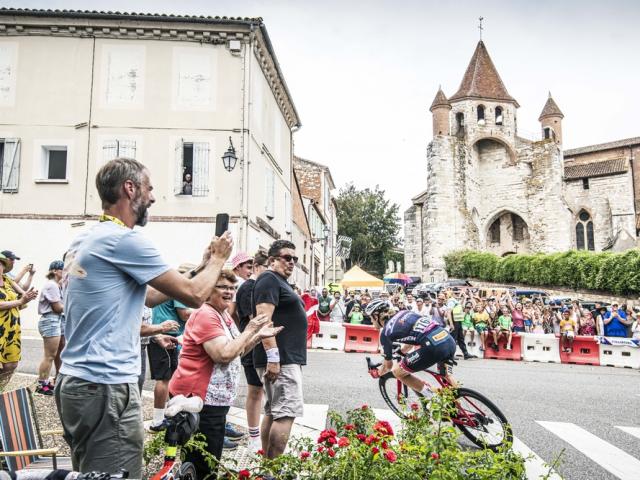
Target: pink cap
point(240, 258)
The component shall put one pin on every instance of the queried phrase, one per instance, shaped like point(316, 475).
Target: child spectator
point(355, 316)
point(538, 323)
point(503, 327)
point(548, 316)
point(482, 322)
point(467, 324)
point(567, 331)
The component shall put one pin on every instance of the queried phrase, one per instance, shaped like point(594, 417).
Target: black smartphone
point(222, 223)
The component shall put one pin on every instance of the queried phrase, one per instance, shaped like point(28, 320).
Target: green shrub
point(617, 273)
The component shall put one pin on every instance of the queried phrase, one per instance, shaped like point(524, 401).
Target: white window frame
point(44, 163)
point(119, 147)
point(287, 211)
point(199, 171)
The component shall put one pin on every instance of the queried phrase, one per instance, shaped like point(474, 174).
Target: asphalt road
point(595, 399)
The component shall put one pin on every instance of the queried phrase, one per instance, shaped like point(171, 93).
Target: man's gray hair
point(113, 174)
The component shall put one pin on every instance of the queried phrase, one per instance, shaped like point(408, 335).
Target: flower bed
point(360, 447)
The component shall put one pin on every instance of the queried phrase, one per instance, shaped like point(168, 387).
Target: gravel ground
point(48, 419)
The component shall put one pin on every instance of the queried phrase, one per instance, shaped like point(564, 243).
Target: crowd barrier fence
point(530, 347)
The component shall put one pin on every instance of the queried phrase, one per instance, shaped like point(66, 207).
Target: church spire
point(550, 109)
point(481, 79)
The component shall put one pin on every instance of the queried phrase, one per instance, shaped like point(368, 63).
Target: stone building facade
point(490, 189)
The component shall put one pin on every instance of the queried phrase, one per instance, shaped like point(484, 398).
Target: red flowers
point(343, 442)
point(361, 436)
point(331, 452)
point(304, 455)
point(415, 407)
point(327, 435)
point(375, 450)
point(435, 456)
point(260, 452)
point(371, 439)
point(384, 428)
point(244, 474)
point(320, 449)
point(390, 455)
point(349, 426)
point(332, 440)
point(364, 407)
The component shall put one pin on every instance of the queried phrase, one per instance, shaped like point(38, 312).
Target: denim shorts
point(49, 325)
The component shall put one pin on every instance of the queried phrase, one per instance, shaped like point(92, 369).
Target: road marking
point(611, 458)
point(635, 431)
point(536, 467)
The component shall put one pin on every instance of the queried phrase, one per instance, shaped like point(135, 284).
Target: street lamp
point(325, 235)
point(229, 158)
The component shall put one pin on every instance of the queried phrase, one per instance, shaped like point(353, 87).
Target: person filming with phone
point(112, 272)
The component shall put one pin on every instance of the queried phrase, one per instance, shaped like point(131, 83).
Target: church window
point(548, 133)
point(494, 232)
point(518, 227)
point(585, 184)
point(584, 232)
point(460, 120)
point(480, 114)
point(498, 115)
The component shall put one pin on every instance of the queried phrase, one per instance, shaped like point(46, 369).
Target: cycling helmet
point(377, 305)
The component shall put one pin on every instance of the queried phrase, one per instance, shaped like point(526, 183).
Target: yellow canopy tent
point(359, 279)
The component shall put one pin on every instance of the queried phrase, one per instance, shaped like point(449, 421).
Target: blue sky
point(363, 73)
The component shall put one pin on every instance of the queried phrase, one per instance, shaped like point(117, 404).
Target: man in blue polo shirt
point(107, 270)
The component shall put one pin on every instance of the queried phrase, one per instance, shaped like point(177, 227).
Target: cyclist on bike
point(434, 343)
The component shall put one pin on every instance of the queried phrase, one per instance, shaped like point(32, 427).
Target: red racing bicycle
point(477, 417)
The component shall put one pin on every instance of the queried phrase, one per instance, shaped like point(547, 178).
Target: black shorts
point(252, 376)
point(162, 363)
point(428, 355)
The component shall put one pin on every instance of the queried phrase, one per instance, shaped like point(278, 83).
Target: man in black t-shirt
point(279, 360)
point(245, 310)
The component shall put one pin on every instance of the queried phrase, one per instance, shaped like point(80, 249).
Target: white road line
point(635, 431)
point(536, 467)
point(611, 458)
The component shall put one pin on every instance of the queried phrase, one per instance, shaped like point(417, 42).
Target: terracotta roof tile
point(550, 109)
point(627, 142)
point(440, 100)
point(481, 80)
point(596, 169)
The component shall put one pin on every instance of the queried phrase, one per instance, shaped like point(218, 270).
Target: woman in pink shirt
point(209, 365)
point(517, 315)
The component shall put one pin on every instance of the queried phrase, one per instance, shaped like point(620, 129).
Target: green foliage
point(373, 224)
point(617, 273)
point(360, 447)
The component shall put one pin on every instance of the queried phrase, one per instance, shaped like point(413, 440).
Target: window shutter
point(287, 211)
point(179, 152)
point(200, 169)
point(11, 165)
point(127, 148)
point(269, 188)
point(109, 150)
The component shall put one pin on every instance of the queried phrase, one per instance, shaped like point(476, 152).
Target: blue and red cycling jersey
point(412, 328)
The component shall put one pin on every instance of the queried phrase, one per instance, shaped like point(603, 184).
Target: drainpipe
point(86, 179)
point(633, 184)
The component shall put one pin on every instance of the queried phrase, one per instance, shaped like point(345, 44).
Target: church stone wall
point(413, 241)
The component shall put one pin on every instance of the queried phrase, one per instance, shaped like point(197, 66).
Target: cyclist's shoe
point(160, 427)
point(44, 389)
point(232, 433)
point(229, 444)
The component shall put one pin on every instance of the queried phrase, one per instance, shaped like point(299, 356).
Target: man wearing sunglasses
point(279, 360)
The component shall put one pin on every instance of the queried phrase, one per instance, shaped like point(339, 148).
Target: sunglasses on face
point(289, 258)
point(228, 288)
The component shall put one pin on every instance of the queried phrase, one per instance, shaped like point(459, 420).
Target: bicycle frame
point(170, 466)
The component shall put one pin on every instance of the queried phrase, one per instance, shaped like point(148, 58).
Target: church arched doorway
point(507, 233)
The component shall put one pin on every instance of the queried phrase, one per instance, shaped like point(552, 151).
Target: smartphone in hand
point(222, 223)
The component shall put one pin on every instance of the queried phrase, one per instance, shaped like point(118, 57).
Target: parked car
point(532, 293)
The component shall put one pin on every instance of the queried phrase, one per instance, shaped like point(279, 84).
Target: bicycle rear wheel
point(187, 472)
point(480, 420)
point(397, 395)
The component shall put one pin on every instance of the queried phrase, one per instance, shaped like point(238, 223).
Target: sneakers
point(468, 356)
point(495, 347)
point(508, 347)
point(254, 444)
point(229, 444)
point(231, 433)
point(45, 388)
point(160, 427)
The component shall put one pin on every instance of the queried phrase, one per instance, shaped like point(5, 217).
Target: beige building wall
point(144, 88)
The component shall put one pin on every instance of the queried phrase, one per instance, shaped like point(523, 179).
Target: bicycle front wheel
point(187, 472)
point(397, 395)
point(480, 420)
